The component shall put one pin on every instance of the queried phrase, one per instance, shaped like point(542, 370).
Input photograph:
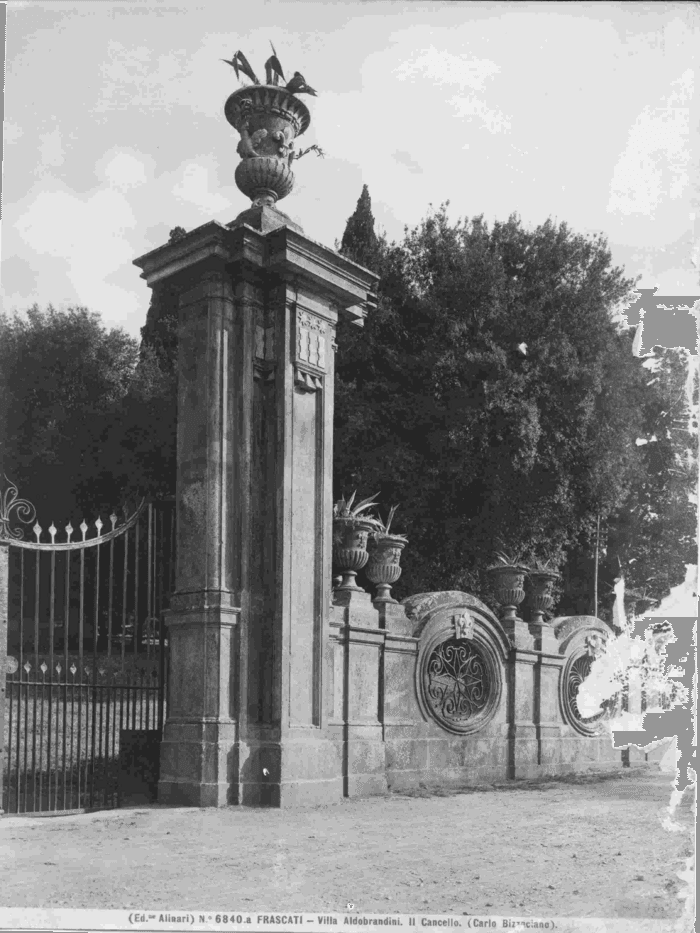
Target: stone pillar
point(523, 743)
point(199, 743)
point(259, 302)
point(547, 714)
point(358, 719)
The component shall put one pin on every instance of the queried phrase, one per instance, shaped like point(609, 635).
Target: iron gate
point(86, 655)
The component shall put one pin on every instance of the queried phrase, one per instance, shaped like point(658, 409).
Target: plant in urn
point(350, 530)
point(268, 117)
point(541, 579)
point(508, 579)
point(383, 566)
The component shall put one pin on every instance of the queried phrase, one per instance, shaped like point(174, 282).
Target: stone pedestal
point(258, 305)
point(359, 656)
point(523, 746)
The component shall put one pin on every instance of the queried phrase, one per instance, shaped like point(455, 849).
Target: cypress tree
point(360, 242)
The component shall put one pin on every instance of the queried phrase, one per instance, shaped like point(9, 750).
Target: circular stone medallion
point(459, 685)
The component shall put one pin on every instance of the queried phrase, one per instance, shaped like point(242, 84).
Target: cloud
point(493, 120)
point(404, 158)
point(193, 187)
point(11, 132)
point(655, 163)
point(51, 150)
point(122, 170)
point(89, 235)
point(442, 67)
point(139, 78)
point(84, 243)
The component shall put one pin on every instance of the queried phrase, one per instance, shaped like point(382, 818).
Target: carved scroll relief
point(310, 360)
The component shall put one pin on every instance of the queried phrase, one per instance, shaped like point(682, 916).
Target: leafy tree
point(490, 393)
point(88, 415)
point(64, 378)
point(653, 536)
point(149, 423)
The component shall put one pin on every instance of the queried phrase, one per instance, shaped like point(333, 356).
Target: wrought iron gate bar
point(71, 694)
point(86, 543)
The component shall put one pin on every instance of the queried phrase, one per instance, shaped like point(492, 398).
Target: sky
point(114, 128)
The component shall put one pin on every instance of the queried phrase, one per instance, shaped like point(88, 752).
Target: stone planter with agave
point(541, 579)
point(351, 527)
point(508, 580)
point(383, 567)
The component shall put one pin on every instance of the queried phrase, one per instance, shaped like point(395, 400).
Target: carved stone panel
point(464, 625)
point(311, 339)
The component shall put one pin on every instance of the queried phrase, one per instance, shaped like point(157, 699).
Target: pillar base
point(265, 218)
point(186, 794)
point(518, 633)
point(544, 638)
point(198, 764)
point(298, 770)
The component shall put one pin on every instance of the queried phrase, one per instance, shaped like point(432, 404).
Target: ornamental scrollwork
point(574, 674)
point(9, 503)
point(457, 683)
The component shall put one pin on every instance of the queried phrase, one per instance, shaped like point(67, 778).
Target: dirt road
point(586, 848)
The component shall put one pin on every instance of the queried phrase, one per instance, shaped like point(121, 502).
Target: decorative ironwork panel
point(457, 683)
point(87, 653)
point(574, 674)
point(580, 669)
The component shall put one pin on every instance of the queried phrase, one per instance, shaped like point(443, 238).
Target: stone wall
point(399, 719)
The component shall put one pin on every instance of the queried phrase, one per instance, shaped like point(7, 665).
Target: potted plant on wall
point(384, 555)
point(507, 575)
point(351, 526)
point(541, 578)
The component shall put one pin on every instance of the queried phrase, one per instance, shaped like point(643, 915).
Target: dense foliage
point(85, 412)
point(493, 396)
point(653, 536)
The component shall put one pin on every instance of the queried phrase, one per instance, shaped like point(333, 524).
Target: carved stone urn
point(509, 588)
point(540, 583)
point(269, 119)
point(383, 566)
point(350, 549)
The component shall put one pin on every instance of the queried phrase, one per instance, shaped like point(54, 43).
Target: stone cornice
point(292, 256)
point(204, 243)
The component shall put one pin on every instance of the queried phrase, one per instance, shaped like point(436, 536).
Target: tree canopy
point(86, 412)
point(492, 395)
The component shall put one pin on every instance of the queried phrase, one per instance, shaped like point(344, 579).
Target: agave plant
point(345, 511)
point(384, 530)
point(508, 559)
point(546, 565)
point(351, 526)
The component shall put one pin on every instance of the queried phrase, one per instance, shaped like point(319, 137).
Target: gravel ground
point(591, 846)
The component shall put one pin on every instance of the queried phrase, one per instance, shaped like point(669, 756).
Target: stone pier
point(248, 624)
